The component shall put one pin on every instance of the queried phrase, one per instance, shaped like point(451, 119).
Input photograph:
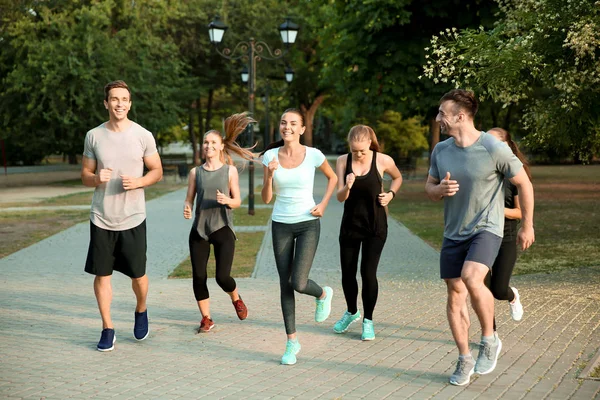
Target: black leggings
point(499, 279)
point(294, 246)
point(223, 241)
point(371, 252)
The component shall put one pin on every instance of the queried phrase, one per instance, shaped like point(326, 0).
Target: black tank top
point(363, 215)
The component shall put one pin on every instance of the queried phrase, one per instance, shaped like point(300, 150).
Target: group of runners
point(481, 176)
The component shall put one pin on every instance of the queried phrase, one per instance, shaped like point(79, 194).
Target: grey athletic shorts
point(481, 248)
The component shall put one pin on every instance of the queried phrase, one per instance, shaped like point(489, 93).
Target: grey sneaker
point(516, 308)
point(488, 356)
point(464, 369)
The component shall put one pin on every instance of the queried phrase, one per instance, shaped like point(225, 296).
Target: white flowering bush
point(542, 53)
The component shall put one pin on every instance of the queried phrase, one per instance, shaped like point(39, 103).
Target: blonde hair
point(362, 132)
point(234, 125)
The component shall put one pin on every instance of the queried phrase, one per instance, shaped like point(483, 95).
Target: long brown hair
point(280, 142)
point(234, 125)
point(505, 135)
point(364, 132)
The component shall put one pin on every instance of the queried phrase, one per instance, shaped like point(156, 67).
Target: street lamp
point(252, 51)
point(289, 74)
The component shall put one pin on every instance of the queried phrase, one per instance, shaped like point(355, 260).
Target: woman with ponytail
point(289, 172)
point(507, 255)
point(364, 223)
point(215, 186)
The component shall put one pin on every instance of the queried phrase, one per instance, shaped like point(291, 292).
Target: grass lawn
point(566, 219)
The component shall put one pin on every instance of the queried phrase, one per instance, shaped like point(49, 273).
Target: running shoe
point(292, 347)
point(488, 355)
point(140, 327)
point(465, 367)
point(107, 340)
point(240, 309)
point(368, 330)
point(516, 308)
point(206, 324)
point(323, 307)
point(347, 319)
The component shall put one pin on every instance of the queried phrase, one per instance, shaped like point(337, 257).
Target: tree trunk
point(73, 159)
point(434, 131)
point(309, 115)
point(209, 111)
point(193, 137)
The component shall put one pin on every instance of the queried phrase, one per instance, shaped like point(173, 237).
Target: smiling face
point(360, 148)
point(449, 117)
point(118, 104)
point(212, 145)
point(291, 127)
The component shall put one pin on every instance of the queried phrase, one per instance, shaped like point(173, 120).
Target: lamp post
point(252, 51)
point(266, 99)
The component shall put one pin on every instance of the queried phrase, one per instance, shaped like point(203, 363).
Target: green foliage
point(542, 54)
point(60, 55)
point(401, 137)
point(373, 51)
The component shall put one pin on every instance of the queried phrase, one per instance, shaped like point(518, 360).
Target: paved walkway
point(49, 326)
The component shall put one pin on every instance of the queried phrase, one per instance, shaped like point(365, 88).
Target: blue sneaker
point(140, 328)
point(368, 332)
point(292, 347)
point(107, 340)
point(347, 319)
point(323, 308)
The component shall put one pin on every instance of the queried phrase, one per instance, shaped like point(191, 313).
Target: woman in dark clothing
point(364, 223)
point(507, 255)
point(215, 185)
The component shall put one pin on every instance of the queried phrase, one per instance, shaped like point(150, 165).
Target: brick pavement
point(49, 326)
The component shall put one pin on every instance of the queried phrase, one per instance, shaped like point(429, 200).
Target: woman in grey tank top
point(215, 186)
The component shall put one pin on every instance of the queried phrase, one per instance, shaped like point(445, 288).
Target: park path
point(49, 327)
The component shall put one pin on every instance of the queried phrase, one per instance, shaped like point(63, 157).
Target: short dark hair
point(113, 85)
point(464, 99)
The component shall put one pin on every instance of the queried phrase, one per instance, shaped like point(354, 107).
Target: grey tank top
point(210, 215)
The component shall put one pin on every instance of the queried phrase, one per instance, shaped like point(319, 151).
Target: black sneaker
point(107, 340)
point(140, 329)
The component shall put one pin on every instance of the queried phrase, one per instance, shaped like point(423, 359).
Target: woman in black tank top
point(499, 279)
point(364, 223)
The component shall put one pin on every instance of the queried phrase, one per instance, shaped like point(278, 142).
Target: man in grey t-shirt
point(114, 157)
point(467, 171)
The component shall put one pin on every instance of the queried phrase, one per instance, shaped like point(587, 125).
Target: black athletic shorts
point(481, 248)
point(123, 251)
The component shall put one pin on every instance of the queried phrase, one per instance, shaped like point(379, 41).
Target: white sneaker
point(516, 308)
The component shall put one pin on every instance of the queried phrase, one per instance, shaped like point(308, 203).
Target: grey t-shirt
point(114, 208)
point(479, 170)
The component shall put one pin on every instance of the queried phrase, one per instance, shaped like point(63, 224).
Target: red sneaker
point(240, 308)
point(206, 324)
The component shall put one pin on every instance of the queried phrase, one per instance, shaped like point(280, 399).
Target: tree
point(542, 55)
point(401, 137)
point(57, 57)
point(372, 51)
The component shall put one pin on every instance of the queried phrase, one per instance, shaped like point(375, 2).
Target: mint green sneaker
point(368, 330)
point(324, 306)
point(347, 319)
point(292, 347)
